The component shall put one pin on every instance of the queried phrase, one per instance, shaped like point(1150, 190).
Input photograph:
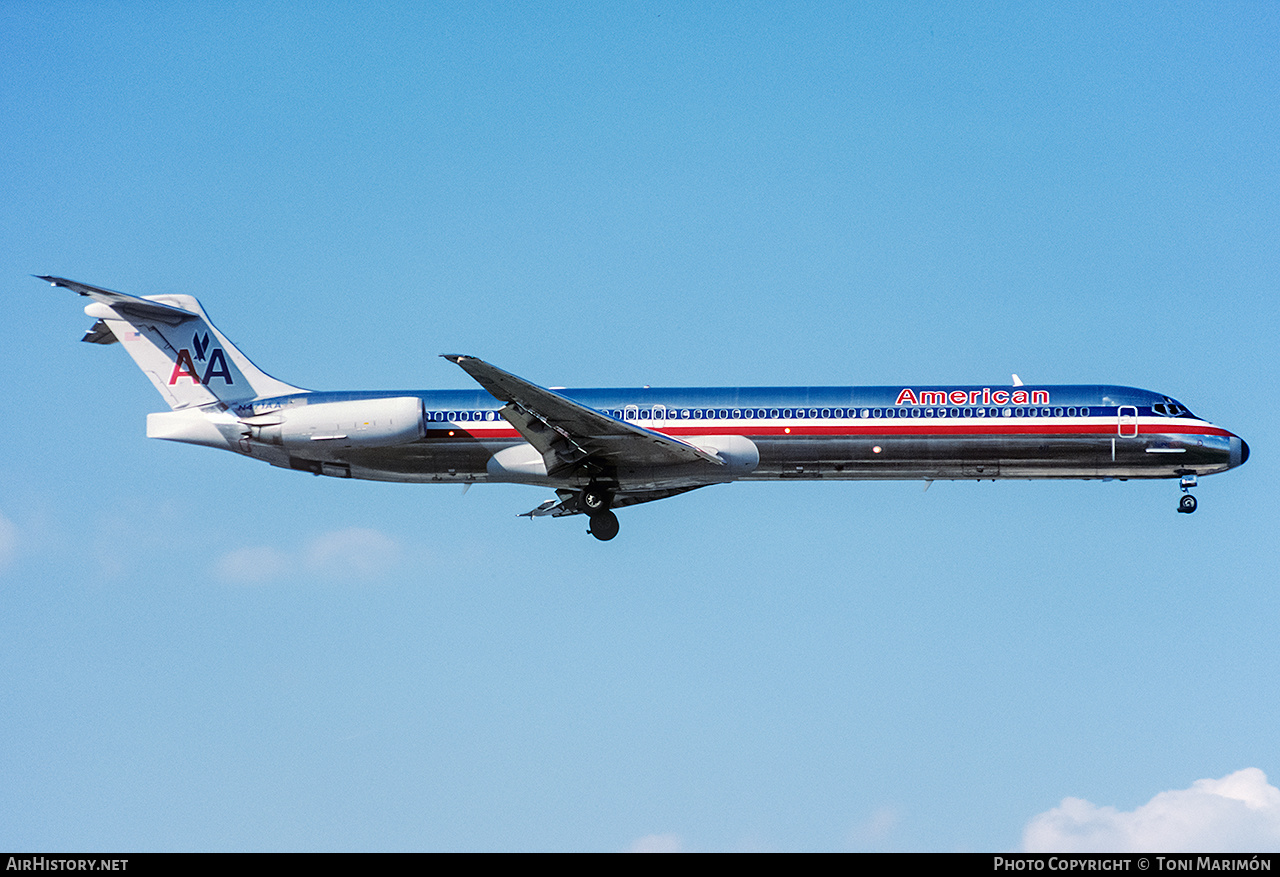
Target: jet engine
point(360, 423)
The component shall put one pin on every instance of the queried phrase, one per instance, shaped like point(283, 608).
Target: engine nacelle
point(360, 423)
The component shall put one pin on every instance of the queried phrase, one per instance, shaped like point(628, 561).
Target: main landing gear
point(1187, 504)
point(595, 501)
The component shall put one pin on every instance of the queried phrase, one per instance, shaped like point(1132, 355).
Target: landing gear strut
point(595, 501)
point(1187, 504)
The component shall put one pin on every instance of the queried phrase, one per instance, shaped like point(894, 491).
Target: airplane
point(604, 449)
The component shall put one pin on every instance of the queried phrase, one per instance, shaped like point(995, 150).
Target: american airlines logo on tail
point(216, 367)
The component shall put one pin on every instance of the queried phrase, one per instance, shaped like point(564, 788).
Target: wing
point(570, 435)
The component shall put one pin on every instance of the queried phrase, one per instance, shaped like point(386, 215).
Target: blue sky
point(200, 652)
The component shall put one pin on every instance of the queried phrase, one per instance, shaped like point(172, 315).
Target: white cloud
point(259, 564)
point(657, 843)
point(875, 830)
point(1238, 813)
point(8, 542)
point(354, 553)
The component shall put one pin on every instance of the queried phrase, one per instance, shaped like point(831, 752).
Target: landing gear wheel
point(595, 499)
point(1187, 504)
point(604, 525)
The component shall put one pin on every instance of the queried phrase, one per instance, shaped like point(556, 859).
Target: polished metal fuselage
point(810, 433)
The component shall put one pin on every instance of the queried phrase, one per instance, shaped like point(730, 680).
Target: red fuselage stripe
point(931, 429)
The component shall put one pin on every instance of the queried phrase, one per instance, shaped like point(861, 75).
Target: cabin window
point(1084, 412)
point(1057, 412)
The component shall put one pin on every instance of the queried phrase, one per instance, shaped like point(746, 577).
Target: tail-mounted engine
point(361, 423)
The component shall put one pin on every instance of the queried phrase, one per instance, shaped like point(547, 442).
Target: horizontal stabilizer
point(123, 302)
point(100, 333)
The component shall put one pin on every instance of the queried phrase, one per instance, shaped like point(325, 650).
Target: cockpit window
point(1171, 408)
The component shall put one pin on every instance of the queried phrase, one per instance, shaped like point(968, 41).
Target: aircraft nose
point(1239, 451)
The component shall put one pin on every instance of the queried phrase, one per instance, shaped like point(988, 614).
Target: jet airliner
point(603, 449)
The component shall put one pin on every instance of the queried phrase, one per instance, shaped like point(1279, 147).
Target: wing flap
point(568, 501)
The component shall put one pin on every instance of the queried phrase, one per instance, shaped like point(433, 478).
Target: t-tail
point(190, 362)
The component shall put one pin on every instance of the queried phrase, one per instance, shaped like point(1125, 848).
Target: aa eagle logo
point(215, 367)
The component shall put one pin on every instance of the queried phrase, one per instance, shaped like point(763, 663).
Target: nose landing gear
point(1187, 504)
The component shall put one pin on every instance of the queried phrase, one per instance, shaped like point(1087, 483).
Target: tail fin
point(190, 362)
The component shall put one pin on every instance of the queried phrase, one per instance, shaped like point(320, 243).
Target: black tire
point(604, 526)
point(594, 500)
point(1187, 504)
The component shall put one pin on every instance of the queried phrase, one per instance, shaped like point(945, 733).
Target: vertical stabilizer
point(188, 360)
